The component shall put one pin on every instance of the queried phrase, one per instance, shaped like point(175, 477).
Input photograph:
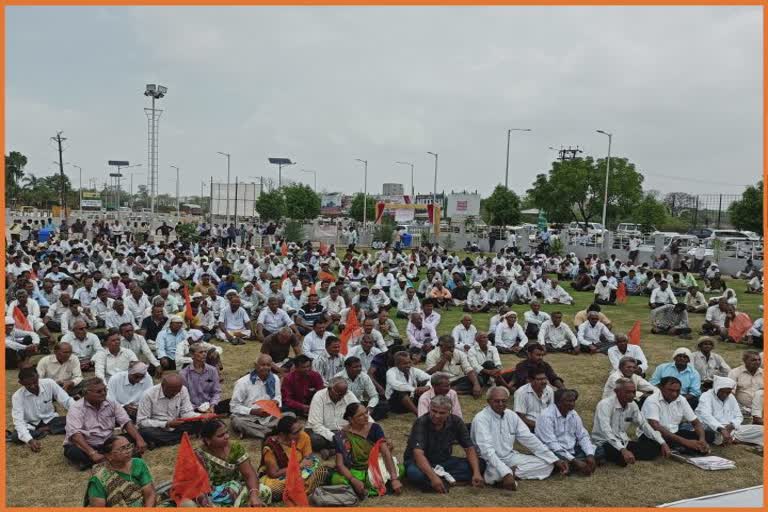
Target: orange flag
point(190, 479)
point(187, 304)
point(269, 406)
point(294, 494)
point(374, 470)
point(739, 326)
point(323, 249)
point(634, 334)
point(349, 329)
point(21, 320)
point(284, 249)
point(621, 294)
point(325, 276)
point(313, 289)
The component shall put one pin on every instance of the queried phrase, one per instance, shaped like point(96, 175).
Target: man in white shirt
point(84, 344)
point(234, 322)
point(62, 368)
point(162, 411)
point(594, 336)
point(510, 337)
point(366, 350)
point(118, 316)
point(624, 349)
point(534, 318)
point(329, 362)
point(446, 359)
point(326, 414)
point(464, 333)
point(421, 337)
point(485, 359)
point(533, 398)
point(628, 370)
point(560, 428)
point(498, 295)
point(248, 418)
point(32, 409)
point(721, 415)
point(113, 358)
point(361, 385)
point(272, 319)
point(605, 294)
point(613, 416)
point(137, 303)
point(334, 304)
point(519, 292)
point(477, 299)
point(139, 345)
point(126, 388)
point(429, 315)
point(405, 384)
point(556, 336)
point(409, 304)
point(716, 320)
point(662, 295)
point(495, 430)
point(313, 344)
point(666, 410)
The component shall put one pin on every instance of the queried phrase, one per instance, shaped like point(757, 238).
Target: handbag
point(334, 496)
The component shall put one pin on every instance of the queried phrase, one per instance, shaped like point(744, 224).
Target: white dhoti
point(238, 333)
point(526, 467)
point(751, 434)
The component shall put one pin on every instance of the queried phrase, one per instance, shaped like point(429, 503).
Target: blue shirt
point(37, 296)
point(224, 287)
point(167, 343)
point(689, 378)
point(631, 284)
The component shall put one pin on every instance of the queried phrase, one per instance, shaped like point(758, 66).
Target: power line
point(697, 180)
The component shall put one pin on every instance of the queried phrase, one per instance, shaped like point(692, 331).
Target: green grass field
point(46, 480)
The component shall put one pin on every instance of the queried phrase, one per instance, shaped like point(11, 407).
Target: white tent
point(749, 497)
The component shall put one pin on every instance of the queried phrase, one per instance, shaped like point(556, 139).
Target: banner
point(403, 215)
point(91, 203)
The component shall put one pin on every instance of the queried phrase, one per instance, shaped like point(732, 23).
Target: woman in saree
point(233, 480)
point(275, 453)
point(354, 444)
point(121, 481)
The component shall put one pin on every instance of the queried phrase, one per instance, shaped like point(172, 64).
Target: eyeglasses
point(127, 448)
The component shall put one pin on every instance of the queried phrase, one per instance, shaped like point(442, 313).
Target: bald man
point(162, 410)
point(249, 419)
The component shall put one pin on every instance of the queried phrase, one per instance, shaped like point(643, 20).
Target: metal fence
point(702, 210)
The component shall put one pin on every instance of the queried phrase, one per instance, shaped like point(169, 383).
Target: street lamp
point(413, 198)
point(154, 91)
point(132, 201)
point(280, 162)
point(81, 185)
point(607, 173)
point(227, 209)
point(509, 132)
point(313, 172)
point(434, 190)
point(178, 209)
point(365, 190)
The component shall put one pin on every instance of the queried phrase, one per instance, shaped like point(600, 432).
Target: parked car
point(628, 228)
point(701, 233)
point(595, 228)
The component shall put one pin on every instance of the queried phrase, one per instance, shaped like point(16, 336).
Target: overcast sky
point(680, 88)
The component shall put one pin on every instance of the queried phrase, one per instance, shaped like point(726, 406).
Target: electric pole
point(59, 139)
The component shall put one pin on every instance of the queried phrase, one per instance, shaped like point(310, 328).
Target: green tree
point(574, 189)
point(502, 207)
point(271, 205)
point(301, 202)
point(747, 213)
point(650, 212)
point(14, 171)
point(356, 208)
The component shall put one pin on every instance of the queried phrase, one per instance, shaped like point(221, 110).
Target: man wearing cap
point(184, 354)
point(721, 415)
point(127, 387)
point(477, 299)
point(421, 337)
point(379, 298)
point(682, 369)
point(168, 341)
point(605, 293)
point(397, 292)
point(202, 381)
point(510, 337)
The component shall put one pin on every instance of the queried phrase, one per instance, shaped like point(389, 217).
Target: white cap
point(10, 320)
point(197, 295)
point(174, 286)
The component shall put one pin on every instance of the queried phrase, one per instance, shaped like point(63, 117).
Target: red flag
point(325, 276)
point(190, 479)
point(739, 326)
point(21, 320)
point(634, 334)
point(374, 471)
point(269, 406)
point(284, 249)
point(188, 314)
point(294, 494)
point(349, 329)
point(621, 294)
point(323, 249)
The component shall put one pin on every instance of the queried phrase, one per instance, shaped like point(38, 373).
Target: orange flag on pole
point(284, 248)
point(621, 294)
point(190, 479)
point(350, 328)
point(294, 494)
point(634, 334)
point(269, 406)
point(374, 470)
point(188, 314)
point(21, 320)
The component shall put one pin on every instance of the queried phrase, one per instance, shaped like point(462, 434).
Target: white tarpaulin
point(404, 215)
point(749, 497)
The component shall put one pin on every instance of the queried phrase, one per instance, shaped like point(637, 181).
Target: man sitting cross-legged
point(445, 358)
point(404, 384)
point(560, 428)
point(161, 411)
point(32, 409)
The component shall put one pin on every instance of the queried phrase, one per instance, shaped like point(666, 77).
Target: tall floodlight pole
point(280, 162)
point(413, 194)
point(509, 133)
point(434, 189)
point(607, 174)
point(155, 92)
point(365, 190)
point(228, 157)
point(178, 207)
point(313, 172)
point(80, 169)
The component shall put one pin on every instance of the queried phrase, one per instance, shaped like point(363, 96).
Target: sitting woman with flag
point(363, 458)
point(275, 457)
point(233, 480)
point(122, 481)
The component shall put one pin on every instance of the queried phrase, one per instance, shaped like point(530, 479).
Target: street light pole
point(178, 209)
point(509, 133)
point(81, 185)
point(227, 209)
point(412, 191)
point(434, 190)
point(365, 191)
point(607, 174)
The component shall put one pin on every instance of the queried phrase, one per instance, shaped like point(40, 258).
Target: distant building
point(393, 189)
